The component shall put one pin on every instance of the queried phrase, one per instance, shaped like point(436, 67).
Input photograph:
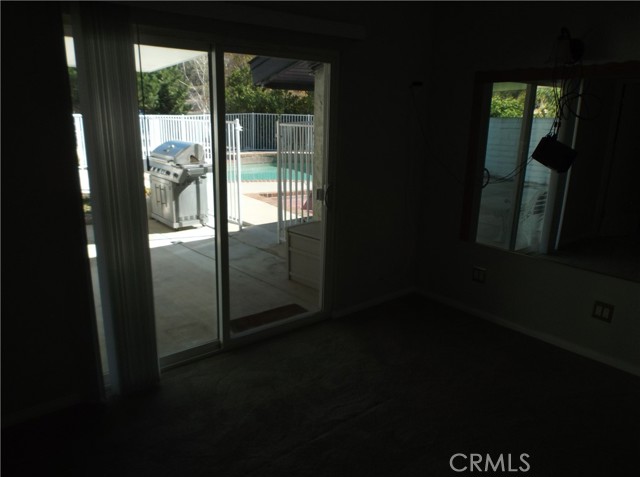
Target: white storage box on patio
point(303, 253)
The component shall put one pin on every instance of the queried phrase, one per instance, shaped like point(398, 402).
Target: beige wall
point(543, 298)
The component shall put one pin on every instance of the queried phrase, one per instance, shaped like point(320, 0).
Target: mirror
point(587, 217)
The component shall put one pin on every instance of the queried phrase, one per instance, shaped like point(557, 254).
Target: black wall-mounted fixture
point(554, 154)
point(569, 50)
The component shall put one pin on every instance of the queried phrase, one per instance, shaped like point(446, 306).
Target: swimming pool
point(266, 172)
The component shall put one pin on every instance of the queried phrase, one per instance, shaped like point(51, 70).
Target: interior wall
point(48, 357)
point(543, 298)
point(380, 128)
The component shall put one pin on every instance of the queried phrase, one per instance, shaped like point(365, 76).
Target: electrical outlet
point(479, 274)
point(603, 311)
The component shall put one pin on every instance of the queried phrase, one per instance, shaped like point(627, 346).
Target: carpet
point(395, 390)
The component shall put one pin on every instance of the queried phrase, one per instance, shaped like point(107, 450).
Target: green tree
point(163, 92)
point(185, 88)
point(507, 104)
point(242, 96)
point(546, 106)
point(240, 92)
point(196, 76)
point(510, 104)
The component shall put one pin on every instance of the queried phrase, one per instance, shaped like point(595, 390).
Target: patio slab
point(184, 280)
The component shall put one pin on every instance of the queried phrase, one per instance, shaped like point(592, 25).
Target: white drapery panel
point(108, 97)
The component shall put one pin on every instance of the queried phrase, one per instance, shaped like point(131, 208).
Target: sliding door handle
point(328, 195)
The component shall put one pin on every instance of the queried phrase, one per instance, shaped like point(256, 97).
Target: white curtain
point(107, 86)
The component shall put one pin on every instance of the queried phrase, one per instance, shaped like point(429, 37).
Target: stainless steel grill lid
point(179, 152)
point(178, 161)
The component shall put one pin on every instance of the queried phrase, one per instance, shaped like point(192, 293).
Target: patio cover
point(283, 73)
point(153, 58)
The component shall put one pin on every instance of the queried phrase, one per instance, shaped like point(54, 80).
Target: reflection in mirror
point(587, 217)
point(515, 188)
point(601, 223)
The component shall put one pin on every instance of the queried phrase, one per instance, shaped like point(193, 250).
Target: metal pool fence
point(295, 169)
point(291, 135)
point(258, 131)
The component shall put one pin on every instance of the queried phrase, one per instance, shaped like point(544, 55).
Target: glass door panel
point(175, 122)
point(275, 173)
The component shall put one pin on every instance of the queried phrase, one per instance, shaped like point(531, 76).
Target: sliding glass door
point(210, 222)
point(275, 179)
point(178, 155)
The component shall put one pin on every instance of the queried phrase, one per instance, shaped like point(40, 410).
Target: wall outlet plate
point(479, 274)
point(603, 311)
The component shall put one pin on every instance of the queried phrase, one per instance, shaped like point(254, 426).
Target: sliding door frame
point(244, 46)
point(144, 32)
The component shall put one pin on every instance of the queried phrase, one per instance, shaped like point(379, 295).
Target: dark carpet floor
point(395, 390)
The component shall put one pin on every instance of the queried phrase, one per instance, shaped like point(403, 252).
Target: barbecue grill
point(177, 175)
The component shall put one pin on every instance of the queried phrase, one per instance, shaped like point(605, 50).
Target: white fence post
point(295, 166)
point(279, 161)
point(234, 172)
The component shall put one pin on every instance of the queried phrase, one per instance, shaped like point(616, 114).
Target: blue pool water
point(266, 172)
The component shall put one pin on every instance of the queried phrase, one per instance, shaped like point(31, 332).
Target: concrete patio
point(184, 275)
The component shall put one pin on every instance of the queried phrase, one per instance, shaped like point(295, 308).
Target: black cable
point(566, 91)
point(510, 175)
point(570, 93)
point(585, 105)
